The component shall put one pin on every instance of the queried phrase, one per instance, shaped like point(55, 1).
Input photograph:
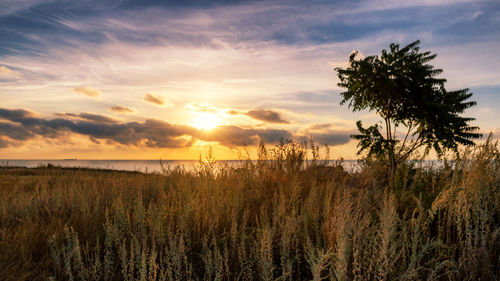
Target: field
point(279, 218)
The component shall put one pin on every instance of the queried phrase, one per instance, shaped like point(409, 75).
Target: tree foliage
point(406, 92)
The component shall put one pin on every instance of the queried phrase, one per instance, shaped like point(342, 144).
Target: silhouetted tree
point(404, 90)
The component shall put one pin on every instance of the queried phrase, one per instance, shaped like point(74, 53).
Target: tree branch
point(414, 147)
point(410, 127)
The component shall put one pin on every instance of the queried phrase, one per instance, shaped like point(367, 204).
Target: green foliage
point(277, 218)
point(402, 88)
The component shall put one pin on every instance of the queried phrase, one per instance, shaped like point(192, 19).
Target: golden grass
point(279, 218)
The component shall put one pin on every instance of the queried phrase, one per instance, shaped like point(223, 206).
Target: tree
point(404, 90)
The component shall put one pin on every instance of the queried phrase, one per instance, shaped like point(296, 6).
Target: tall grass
point(279, 218)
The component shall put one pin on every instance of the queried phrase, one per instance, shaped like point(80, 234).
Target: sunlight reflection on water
point(141, 165)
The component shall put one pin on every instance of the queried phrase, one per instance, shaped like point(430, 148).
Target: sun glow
point(206, 121)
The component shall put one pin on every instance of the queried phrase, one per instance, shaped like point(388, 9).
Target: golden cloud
point(157, 100)
point(121, 109)
point(91, 92)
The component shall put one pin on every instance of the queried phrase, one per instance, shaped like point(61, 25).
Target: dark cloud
point(16, 114)
point(23, 125)
point(4, 143)
point(15, 132)
point(155, 99)
point(121, 109)
point(266, 115)
point(19, 125)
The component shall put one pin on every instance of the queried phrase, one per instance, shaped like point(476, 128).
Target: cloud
point(330, 138)
point(20, 125)
point(16, 114)
point(89, 117)
point(65, 23)
point(4, 143)
point(157, 100)
point(320, 127)
point(325, 127)
point(8, 75)
point(266, 115)
point(232, 136)
point(378, 5)
point(328, 133)
point(253, 54)
point(88, 91)
point(11, 6)
point(5, 71)
point(121, 109)
point(202, 107)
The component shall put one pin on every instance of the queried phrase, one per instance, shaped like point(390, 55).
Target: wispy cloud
point(8, 75)
point(378, 5)
point(202, 107)
point(88, 91)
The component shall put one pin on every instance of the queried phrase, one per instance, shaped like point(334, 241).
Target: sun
point(206, 121)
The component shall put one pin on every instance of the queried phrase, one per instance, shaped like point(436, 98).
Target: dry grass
point(279, 218)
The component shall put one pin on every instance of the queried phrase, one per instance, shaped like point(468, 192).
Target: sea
point(147, 166)
point(159, 166)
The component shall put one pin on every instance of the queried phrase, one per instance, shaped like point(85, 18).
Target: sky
point(122, 79)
